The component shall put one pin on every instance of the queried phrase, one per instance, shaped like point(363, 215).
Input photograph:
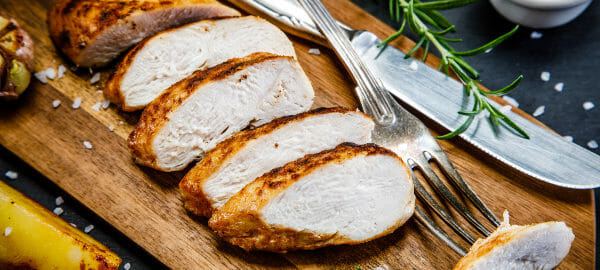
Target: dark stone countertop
point(570, 53)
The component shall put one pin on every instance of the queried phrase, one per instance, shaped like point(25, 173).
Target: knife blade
point(545, 156)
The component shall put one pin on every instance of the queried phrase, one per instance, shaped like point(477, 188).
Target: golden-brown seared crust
point(156, 114)
point(239, 222)
point(191, 185)
point(75, 24)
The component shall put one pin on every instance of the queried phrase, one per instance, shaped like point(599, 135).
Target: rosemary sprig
point(423, 20)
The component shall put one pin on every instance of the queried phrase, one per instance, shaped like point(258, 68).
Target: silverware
point(546, 156)
point(403, 133)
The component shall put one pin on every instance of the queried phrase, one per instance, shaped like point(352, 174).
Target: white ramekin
point(540, 13)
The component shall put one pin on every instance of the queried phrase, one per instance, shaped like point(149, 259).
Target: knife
point(545, 156)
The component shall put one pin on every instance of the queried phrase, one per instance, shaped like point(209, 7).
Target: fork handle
point(374, 99)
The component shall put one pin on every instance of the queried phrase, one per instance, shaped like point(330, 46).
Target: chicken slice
point(239, 160)
point(160, 61)
point(92, 33)
point(347, 195)
point(513, 247)
point(209, 106)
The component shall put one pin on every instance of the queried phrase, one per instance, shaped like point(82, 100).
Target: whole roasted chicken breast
point(94, 32)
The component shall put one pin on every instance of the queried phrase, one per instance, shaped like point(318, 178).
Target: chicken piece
point(347, 195)
point(513, 247)
point(16, 59)
point(160, 61)
point(92, 33)
point(209, 106)
point(249, 154)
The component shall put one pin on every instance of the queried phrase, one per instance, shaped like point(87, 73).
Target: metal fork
point(400, 131)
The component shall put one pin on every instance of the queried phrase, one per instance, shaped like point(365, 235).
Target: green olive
point(19, 76)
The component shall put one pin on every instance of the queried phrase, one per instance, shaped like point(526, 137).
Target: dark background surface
point(570, 53)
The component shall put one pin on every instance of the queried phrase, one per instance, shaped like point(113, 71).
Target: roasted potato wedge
point(31, 237)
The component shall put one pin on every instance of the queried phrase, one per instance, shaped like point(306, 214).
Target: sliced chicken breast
point(209, 106)
point(513, 247)
point(347, 195)
point(92, 33)
point(159, 62)
point(249, 154)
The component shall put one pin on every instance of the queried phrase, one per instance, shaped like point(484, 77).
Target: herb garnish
point(420, 18)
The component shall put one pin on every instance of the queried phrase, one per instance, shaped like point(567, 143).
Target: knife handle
point(290, 16)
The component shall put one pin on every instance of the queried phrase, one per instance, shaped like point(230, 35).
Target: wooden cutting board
point(145, 205)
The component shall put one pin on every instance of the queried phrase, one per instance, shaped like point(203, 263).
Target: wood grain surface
point(146, 205)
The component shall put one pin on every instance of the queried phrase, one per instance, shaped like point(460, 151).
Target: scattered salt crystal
point(593, 144)
point(536, 35)
point(96, 106)
point(588, 105)
point(88, 228)
point(87, 144)
point(505, 109)
point(58, 211)
point(568, 138)
point(413, 65)
point(382, 267)
point(539, 111)
point(7, 231)
point(559, 86)
point(105, 104)
point(511, 101)
point(127, 266)
point(111, 128)
point(91, 70)
point(41, 76)
point(59, 200)
point(76, 103)
point(73, 224)
point(12, 175)
point(61, 71)
point(55, 103)
point(545, 76)
point(314, 51)
point(121, 122)
point(489, 50)
point(95, 78)
point(99, 91)
point(50, 73)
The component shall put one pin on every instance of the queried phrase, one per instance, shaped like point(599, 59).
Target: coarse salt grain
point(545, 76)
point(58, 211)
point(588, 105)
point(559, 86)
point(413, 65)
point(568, 138)
point(76, 103)
point(61, 71)
point(539, 111)
point(90, 70)
point(73, 224)
point(382, 267)
point(96, 106)
point(489, 50)
point(536, 35)
point(121, 122)
point(50, 73)
point(111, 128)
point(314, 51)
point(59, 200)
point(95, 78)
point(12, 175)
point(87, 144)
point(7, 231)
point(41, 76)
point(55, 103)
point(127, 266)
point(505, 109)
point(88, 228)
point(593, 144)
point(511, 101)
point(105, 104)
